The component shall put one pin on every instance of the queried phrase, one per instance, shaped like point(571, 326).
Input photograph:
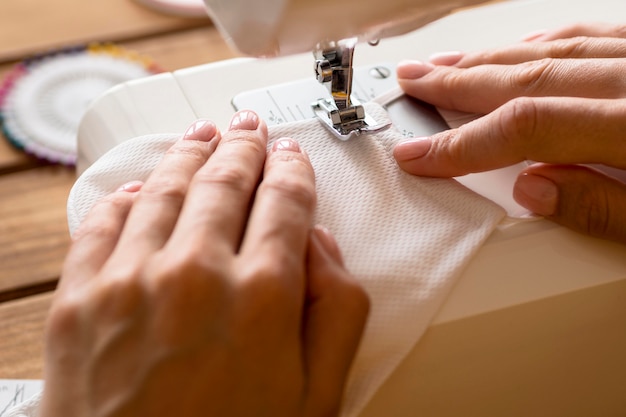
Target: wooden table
point(33, 227)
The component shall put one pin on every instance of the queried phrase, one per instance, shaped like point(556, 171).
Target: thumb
point(577, 197)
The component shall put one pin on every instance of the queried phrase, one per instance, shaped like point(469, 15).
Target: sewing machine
point(331, 30)
point(535, 290)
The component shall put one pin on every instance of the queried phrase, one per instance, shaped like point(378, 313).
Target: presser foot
point(346, 123)
point(342, 113)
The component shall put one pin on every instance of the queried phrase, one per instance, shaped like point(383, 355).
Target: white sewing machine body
point(536, 323)
point(285, 27)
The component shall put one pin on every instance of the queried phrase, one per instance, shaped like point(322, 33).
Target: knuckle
point(103, 226)
point(457, 85)
point(116, 201)
point(165, 190)
point(187, 296)
point(290, 163)
point(593, 213)
point(518, 123)
point(173, 187)
point(577, 27)
point(598, 221)
point(253, 138)
point(572, 29)
point(195, 151)
point(229, 176)
point(269, 272)
point(452, 80)
point(291, 188)
point(530, 77)
point(64, 318)
point(183, 276)
point(242, 141)
point(172, 272)
point(570, 48)
point(486, 56)
point(117, 298)
point(266, 282)
point(454, 146)
point(589, 202)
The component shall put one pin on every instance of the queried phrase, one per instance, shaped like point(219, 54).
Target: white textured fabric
point(29, 408)
point(405, 238)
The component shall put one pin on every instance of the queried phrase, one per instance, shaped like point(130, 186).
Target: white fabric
point(406, 238)
point(28, 408)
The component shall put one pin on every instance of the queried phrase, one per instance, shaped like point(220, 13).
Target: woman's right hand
point(205, 291)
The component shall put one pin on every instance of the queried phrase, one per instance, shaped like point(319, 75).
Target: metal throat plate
point(294, 101)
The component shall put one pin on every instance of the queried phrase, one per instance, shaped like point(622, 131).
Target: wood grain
point(32, 26)
point(33, 227)
point(21, 337)
point(184, 49)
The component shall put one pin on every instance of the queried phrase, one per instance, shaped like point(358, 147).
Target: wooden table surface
point(33, 227)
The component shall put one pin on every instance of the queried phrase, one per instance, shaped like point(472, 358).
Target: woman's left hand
point(559, 99)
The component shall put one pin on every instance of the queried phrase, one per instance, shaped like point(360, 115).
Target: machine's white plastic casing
point(284, 27)
point(535, 325)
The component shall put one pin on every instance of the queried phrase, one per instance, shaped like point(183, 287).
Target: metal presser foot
point(344, 115)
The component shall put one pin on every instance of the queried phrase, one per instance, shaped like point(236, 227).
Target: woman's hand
point(559, 98)
point(204, 291)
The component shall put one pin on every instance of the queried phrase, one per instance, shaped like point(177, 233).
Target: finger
point(555, 130)
point(577, 197)
point(271, 263)
point(157, 207)
point(445, 58)
point(217, 205)
point(575, 47)
point(596, 29)
point(97, 236)
point(283, 208)
point(336, 313)
point(484, 88)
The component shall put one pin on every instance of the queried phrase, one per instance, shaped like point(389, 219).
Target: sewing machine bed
point(536, 323)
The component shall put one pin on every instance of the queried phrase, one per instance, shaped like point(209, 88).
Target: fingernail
point(131, 187)
point(536, 193)
point(412, 149)
point(534, 36)
point(244, 120)
point(412, 70)
point(202, 130)
point(446, 58)
point(286, 144)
